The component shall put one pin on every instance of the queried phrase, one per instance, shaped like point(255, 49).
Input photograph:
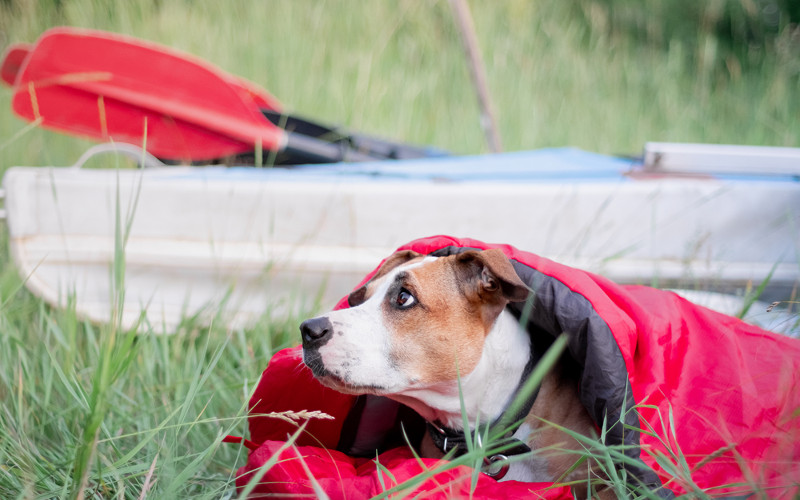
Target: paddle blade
point(93, 117)
point(261, 98)
point(13, 59)
point(105, 86)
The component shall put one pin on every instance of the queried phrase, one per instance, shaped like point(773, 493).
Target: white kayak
point(239, 243)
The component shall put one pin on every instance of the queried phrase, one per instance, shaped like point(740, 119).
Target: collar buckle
point(442, 432)
point(496, 466)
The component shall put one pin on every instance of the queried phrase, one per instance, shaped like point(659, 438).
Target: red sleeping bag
point(715, 400)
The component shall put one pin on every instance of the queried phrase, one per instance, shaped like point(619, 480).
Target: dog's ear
point(493, 273)
point(359, 296)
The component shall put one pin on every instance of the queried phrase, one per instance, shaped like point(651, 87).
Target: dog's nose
point(315, 331)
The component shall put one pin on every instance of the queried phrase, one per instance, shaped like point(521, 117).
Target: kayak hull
point(239, 243)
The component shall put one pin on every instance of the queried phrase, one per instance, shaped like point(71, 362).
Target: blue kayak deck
point(540, 166)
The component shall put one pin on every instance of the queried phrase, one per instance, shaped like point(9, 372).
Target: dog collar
point(496, 464)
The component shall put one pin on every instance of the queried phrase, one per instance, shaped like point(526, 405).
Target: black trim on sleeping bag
point(604, 383)
point(376, 424)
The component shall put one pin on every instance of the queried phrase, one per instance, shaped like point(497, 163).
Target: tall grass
point(95, 407)
point(92, 411)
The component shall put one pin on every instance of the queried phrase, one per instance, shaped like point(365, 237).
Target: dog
point(425, 331)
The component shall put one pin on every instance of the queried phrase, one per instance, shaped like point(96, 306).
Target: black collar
point(447, 440)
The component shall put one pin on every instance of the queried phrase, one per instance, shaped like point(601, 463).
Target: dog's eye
point(404, 299)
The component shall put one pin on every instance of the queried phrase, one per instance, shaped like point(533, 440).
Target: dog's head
point(418, 322)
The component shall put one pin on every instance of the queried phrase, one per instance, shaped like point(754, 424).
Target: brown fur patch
point(558, 402)
point(442, 335)
point(360, 295)
point(458, 299)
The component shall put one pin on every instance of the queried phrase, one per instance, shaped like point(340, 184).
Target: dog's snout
point(315, 331)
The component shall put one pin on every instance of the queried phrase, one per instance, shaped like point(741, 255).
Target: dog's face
point(419, 322)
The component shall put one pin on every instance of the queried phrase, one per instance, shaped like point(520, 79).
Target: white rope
point(145, 159)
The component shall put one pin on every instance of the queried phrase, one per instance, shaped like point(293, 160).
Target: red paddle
point(15, 54)
point(104, 85)
point(13, 58)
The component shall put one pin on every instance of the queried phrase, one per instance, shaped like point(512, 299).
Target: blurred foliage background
point(603, 75)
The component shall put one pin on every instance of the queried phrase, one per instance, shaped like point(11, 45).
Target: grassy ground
point(88, 410)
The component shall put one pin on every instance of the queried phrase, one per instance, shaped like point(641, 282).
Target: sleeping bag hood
point(694, 399)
